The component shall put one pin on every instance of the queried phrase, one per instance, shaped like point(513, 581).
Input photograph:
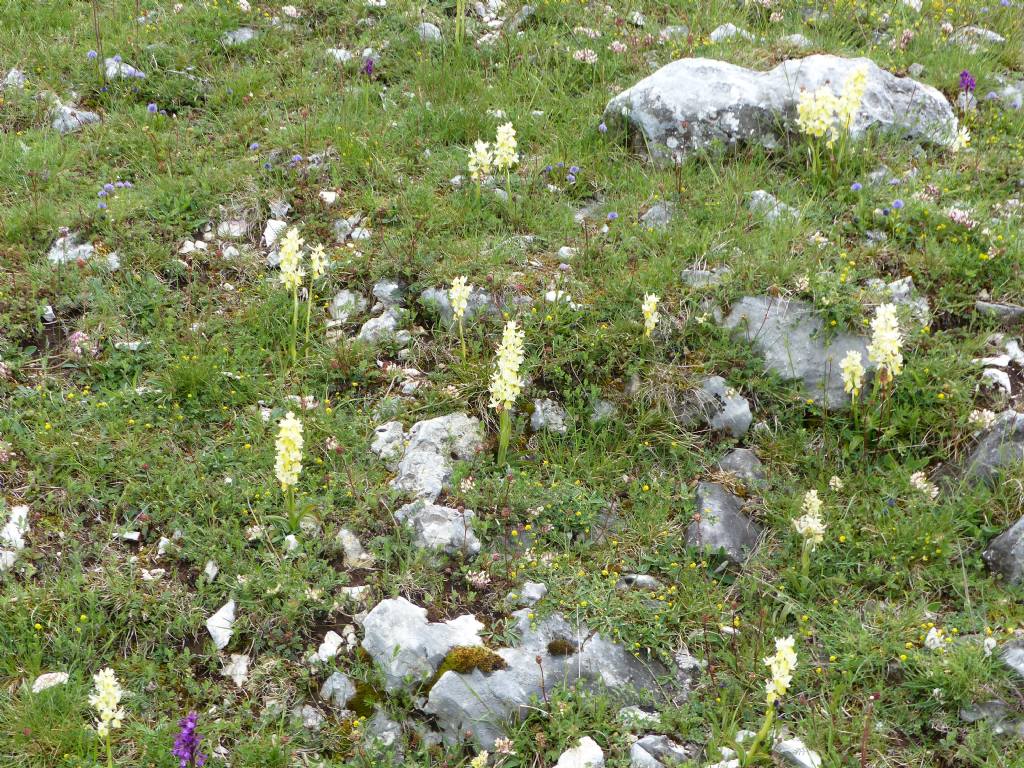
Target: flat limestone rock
point(792, 338)
point(432, 446)
point(479, 705)
point(406, 646)
point(722, 527)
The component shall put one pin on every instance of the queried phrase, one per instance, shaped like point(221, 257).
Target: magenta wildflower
point(186, 743)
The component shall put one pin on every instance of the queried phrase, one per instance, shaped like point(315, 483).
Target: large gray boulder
point(431, 448)
point(1005, 313)
point(792, 338)
point(717, 405)
point(1000, 447)
point(691, 103)
point(1005, 553)
point(721, 526)
point(550, 654)
point(407, 647)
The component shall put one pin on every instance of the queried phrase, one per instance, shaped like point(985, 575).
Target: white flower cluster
point(502, 156)
point(982, 418)
point(886, 340)
point(505, 155)
point(458, 296)
point(810, 525)
point(480, 159)
point(852, 366)
point(317, 261)
point(651, 315)
point(821, 113)
point(291, 260)
point(288, 465)
point(505, 382)
point(105, 700)
point(781, 665)
point(920, 481)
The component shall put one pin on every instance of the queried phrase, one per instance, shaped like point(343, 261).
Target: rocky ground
point(765, 262)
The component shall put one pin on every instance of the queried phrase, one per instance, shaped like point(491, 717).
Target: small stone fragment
point(220, 624)
point(237, 669)
point(586, 754)
point(548, 416)
point(338, 690)
point(354, 554)
point(437, 527)
point(795, 752)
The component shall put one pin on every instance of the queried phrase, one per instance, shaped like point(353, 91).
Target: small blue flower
point(574, 169)
point(897, 204)
point(602, 128)
point(109, 187)
point(117, 58)
point(91, 55)
point(101, 193)
point(613, 216)
point(254, 146)
point(570, 178)
point(856, 186)
point(547, 169)
point(102, 206)
point(886, 211)
point(151, 108)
